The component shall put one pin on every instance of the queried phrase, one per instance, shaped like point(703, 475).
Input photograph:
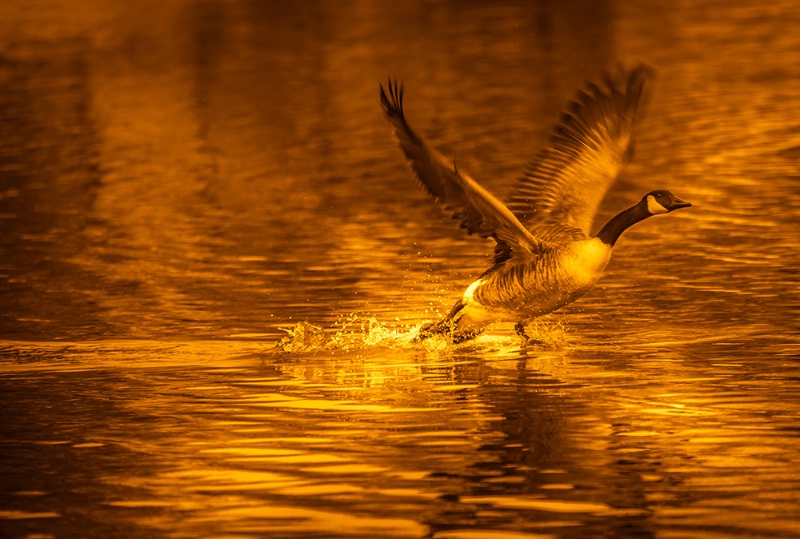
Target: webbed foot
point(427, 331)
point(458, 338)
point(447, 330)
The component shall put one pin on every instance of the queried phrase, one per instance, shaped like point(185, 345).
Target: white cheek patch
point(654, 207)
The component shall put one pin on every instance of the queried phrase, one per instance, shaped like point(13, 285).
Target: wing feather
point(478, 211)
point(558, 195)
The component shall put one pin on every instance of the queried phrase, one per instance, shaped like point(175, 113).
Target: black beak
point(678, 204)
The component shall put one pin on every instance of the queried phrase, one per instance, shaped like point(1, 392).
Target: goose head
point(653, 203)
point(662, 201)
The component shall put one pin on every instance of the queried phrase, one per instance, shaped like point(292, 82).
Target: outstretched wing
point(561, 189)
point(477, 209)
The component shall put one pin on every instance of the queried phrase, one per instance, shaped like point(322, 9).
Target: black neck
point(618, 224)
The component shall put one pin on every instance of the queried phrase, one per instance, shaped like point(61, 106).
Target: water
point(213, 260)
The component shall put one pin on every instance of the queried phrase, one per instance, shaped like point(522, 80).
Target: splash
point(302, 337)
point(358, 332)
point(549, 330)
point(353, 331)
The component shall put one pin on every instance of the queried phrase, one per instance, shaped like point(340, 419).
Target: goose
point(544, 256)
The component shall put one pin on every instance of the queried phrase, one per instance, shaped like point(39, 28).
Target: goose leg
point(450, 326)
point(428, 330)
point(443, 326)
point(520, 329)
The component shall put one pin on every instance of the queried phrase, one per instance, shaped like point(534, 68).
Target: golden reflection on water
point(288, 442)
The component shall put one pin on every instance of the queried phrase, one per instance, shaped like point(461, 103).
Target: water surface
point(213, 260)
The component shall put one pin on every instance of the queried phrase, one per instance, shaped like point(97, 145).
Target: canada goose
point(545, 257)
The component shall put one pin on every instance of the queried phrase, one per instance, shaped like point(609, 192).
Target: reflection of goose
point(544, 257)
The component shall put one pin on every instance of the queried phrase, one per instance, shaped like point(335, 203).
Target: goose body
point(520, 292)
point(544, 256)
